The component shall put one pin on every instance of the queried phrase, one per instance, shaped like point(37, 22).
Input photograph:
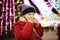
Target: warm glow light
point(58, 14)
point(45, 8)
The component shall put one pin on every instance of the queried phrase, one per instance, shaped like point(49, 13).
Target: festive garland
point(6, 17)
point(10, 15)
point(9, 12)
point(3, 2)
point(14, 11)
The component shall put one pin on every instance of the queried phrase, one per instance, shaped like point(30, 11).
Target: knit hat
point(25, 9)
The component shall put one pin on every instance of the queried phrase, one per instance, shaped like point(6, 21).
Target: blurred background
point(49, 18)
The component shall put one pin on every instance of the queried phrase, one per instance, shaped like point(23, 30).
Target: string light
point(10, 15)
point(2, 16)
point(6, 16)
point(14, 11)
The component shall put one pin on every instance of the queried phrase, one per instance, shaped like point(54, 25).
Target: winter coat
point(23, 31)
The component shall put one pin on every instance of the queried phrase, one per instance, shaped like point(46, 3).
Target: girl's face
point(29, 15)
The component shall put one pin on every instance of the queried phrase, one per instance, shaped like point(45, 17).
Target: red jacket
point(58, 30)
point(23, 31)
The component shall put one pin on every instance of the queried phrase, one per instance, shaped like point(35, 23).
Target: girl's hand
point(29, 20)
point(22, 19)
point(34, 20)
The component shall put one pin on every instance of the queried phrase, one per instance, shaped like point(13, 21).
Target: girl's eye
point(32, 14)
point(29, 14)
